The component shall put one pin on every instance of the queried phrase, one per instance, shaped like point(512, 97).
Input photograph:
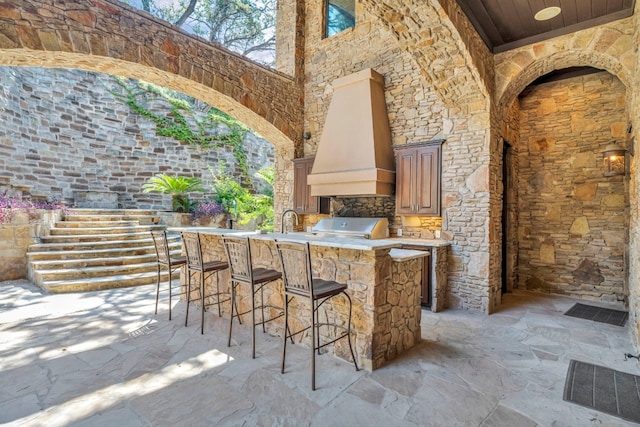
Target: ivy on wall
point(207, 130)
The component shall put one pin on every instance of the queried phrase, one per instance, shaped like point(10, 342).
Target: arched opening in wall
point(71, 133)
point(571, 218)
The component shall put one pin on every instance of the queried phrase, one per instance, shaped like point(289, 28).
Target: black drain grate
point(598, 314)
point(603, 389)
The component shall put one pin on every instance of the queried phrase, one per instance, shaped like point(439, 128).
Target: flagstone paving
point(104, 359)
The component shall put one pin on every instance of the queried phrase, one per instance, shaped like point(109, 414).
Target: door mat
point(598, 314)
point(603, 389)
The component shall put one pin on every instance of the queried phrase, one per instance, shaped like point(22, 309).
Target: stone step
point(93, 249)
point(96, 224)
point(106, 282)
point(174, 244)
point(91, 245)
point(96, 238)
point(42, 276)
point(34, 257)
point(85, 231)
point(110, 212)
point(141, 219)
point(77, 263)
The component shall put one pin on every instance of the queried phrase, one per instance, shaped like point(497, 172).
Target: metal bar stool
point(242, 272)
point(196, 265)
point(299, 282)
point(164, 259)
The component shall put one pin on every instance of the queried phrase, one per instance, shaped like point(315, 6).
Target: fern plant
point(177, 187)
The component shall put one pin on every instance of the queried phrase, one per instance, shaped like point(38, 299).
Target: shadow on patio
point(103, 358)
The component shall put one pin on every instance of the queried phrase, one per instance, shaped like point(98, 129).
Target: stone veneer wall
point(416, 113)
point(634, 190)
point(511, 136)
point(572, 223)
point(385, 317)
point(16, 236)
point(64, 132)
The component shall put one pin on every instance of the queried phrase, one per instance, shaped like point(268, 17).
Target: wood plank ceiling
point(507, 24)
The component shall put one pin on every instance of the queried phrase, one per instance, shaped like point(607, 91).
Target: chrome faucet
point(295, 215)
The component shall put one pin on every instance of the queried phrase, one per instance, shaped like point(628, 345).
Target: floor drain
point(141, 331)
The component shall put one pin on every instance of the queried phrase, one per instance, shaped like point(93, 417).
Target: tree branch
point(187, 13)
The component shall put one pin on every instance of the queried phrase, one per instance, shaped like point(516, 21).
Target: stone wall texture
point(572, 219)
point(66, 136)
point(611, 47)
point(420, 108)
point(385, 296)
point(16, 236)
point(633, 275)
point(112, 37)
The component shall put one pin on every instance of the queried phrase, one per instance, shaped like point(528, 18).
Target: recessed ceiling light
point(547, 13)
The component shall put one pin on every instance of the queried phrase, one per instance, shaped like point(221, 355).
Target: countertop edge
point(336, 242)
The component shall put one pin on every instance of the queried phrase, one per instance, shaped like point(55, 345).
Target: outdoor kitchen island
point(383, 282)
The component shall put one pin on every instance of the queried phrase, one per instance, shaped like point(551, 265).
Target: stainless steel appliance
point(368, 228)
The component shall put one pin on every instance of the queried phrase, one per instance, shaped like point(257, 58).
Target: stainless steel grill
point(366, 228)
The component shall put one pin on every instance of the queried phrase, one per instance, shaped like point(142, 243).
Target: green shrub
point(239, 202)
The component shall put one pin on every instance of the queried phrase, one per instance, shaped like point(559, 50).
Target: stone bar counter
point(383, 281)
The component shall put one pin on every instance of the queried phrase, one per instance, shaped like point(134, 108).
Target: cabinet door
point(428, 181)
point(300, 187)
point(312, 202)
point(303, 202)
point(405, 181)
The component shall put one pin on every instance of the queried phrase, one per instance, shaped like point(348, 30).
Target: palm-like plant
point(176, 186)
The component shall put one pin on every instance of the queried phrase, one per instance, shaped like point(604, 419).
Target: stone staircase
point(93, 249)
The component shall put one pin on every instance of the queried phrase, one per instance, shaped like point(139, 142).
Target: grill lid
point(368, 228)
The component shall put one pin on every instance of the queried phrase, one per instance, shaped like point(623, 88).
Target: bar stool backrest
point(194, 251)
point(239, 256)
point(296, 267)
point(162, 246)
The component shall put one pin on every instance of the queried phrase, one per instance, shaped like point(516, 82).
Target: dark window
point(341, 14)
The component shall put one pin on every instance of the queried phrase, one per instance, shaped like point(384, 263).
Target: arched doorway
point(572, 221)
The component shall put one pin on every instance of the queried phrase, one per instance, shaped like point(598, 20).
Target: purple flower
point(208, 209)
point(8, 202)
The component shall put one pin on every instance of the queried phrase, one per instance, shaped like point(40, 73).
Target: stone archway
point(111, 37)
point(459, 72)
point(609, 48)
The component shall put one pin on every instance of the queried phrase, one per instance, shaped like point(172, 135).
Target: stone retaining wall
point(16, 236)
point(65, 135)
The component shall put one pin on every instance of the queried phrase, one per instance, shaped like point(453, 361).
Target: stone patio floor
point(104, 359)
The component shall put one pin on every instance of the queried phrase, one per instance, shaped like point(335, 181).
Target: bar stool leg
point(284, 332)
point(233, 306)
point(170, 274)
point(186, 319)
point(202, 302)
point(353, 356)
point(253, 324)
point(158, 290)
point(313, 346)
point(218, 292)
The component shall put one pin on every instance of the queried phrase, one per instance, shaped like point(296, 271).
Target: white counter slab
point(320, 240)
point(420, 242)
point(406, 254)
point(334, 242)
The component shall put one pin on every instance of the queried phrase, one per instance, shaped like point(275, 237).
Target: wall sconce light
point(306, 135)
point(613, 160)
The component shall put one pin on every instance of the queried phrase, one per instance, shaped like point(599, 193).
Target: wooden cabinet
point(418, 179)
point(303, 202)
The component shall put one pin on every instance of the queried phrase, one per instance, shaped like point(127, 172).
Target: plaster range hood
point(354, 156)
